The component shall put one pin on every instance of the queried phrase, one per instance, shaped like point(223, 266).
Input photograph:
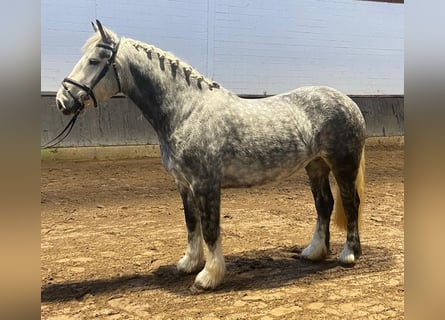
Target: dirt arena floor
point(112, 232)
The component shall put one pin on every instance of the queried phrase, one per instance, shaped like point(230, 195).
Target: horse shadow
point(252, 270)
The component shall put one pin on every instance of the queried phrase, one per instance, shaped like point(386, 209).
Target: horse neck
point(161, 85)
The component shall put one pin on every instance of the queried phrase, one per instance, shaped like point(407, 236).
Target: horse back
point(274, 137)
point(253, 141)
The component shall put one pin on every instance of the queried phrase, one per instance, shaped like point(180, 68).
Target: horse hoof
point(347, 256)
point(348, 260)
point(198, 289)
point(314, 253)
point(209, 280)
point(188, 266)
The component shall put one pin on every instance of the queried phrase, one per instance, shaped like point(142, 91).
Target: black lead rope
point(62, 137)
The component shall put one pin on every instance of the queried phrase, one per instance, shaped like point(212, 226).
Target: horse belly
point(255, 173)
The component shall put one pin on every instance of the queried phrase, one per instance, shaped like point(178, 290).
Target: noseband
point(89, 89)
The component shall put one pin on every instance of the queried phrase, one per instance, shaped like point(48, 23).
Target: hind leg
point(346, 177)
point(193, 260)
point(318, 172)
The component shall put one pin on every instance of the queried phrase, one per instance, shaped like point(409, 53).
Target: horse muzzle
point(70, 106)
point(70, 102)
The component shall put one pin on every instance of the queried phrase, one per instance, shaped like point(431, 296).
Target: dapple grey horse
point(210, 138)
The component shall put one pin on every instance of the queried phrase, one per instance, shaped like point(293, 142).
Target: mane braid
point(163, 56)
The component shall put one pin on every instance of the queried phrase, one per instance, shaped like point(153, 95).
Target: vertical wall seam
point(210, 37)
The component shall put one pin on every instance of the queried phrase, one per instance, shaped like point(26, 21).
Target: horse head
point(91, 81)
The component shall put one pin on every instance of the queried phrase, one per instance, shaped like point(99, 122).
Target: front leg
point(208, 197)
point(193, 260)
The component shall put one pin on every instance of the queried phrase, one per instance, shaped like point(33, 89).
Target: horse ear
point(94, 26)
point(102, 32)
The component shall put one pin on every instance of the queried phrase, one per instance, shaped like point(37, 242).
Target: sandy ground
point(112, 232)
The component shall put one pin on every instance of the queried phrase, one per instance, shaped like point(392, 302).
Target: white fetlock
point(209, 279)
point(213, 273)
point(193, 260)
point(190, 265)
point(347, 255)
point(316, 250)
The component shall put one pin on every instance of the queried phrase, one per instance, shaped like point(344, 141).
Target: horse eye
point(94, 62)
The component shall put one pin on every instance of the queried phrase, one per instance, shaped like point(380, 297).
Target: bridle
point(100, 75)
point(88, 90)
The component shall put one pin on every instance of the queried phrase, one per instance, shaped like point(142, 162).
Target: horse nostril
point(60, 105)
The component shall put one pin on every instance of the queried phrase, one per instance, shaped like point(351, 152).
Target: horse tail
point(339, 211)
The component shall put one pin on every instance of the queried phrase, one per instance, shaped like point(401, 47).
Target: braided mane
point(177, 66)
point(190, 75)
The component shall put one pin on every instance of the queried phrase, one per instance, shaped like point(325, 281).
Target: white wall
point(248, 46)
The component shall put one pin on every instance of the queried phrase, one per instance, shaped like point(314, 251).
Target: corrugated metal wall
point(119, 121)
point(249, 47)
